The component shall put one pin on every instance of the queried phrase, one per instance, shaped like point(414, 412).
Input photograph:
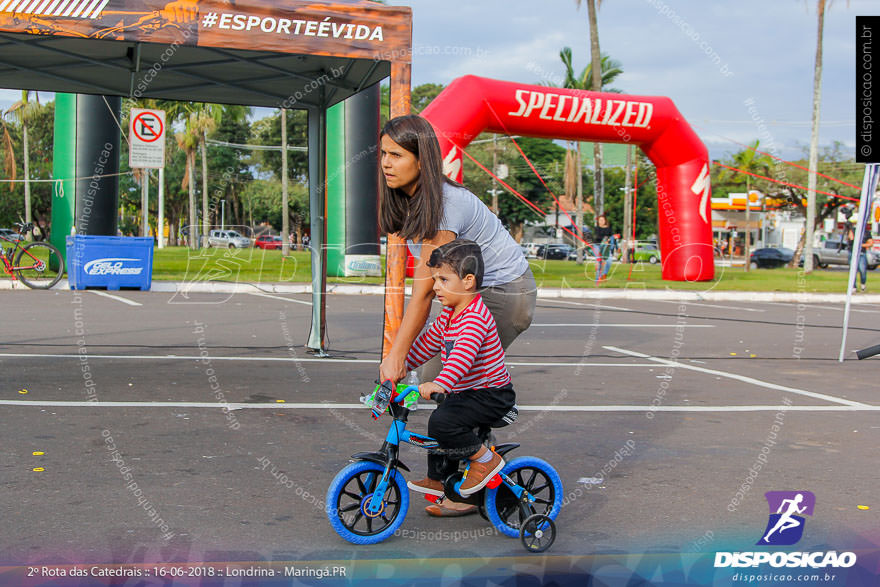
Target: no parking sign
point(146, 139)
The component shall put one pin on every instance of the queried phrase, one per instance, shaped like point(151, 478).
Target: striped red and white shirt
point(469, 348)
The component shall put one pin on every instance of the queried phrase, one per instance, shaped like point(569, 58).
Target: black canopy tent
point(281, 54)
point(199, 74)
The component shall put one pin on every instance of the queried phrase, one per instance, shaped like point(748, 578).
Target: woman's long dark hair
point(415, 217)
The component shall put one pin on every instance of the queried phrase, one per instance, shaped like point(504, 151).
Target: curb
point(543, 293)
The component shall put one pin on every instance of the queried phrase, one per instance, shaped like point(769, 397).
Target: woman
point(604, 235)
point(423, 206)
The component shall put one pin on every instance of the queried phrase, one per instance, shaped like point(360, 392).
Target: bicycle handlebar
point(404, 393)
point(436, 396)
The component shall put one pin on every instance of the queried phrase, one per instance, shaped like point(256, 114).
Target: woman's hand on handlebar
point(426, 389)
point(392, 368)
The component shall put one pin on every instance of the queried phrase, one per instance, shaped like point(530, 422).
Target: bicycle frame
point(8, 259)
point(397, 433)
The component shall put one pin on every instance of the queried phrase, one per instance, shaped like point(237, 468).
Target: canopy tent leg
point(317, 208)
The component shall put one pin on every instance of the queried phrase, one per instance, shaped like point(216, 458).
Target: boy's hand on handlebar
point(426, 389)
point(392, 368)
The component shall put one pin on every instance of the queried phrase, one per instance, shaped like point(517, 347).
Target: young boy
point(474, 377)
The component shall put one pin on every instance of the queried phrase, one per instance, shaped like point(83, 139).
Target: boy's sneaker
point(427, 486)
point(479, 474)
point(863, 287)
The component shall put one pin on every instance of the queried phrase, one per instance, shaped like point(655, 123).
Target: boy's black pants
point(452, 425)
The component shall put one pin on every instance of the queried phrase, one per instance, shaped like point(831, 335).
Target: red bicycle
point(38, 265)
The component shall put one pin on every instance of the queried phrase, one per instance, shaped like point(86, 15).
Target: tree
point(596, 85)
point(833, 161)
point(8, 151)
point(25, 111)
point(268, 132)
point(609, 70)
point(748, 161)
point(40, 137)
point(814, 139)
point(229, 167)
point(187, 142)
point(202, 119)
point(548, 159)
point(420, 97)
point(262, 197)
point(646, 205)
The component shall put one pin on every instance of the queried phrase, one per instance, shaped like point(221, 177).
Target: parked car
point(229, 239)
point(836, 252)
point(530, 250)
point(553, 251)
point(647, 252)
point(771, 257)
point(268, 241)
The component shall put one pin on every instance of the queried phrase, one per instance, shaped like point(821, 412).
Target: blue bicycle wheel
point(348, 497)
point(538, 478)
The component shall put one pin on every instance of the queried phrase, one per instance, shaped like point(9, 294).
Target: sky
point(709, 57)
point(737, 71)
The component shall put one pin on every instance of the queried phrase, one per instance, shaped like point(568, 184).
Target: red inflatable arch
point(471, 105)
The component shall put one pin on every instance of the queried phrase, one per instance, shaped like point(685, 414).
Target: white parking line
point(265, 295)
point(813, 306)
point(359, 406)
point(117, 298)
point(600, 306)
point(705, 305)
point(744, 379)
point(297, 359)
point(620, 325)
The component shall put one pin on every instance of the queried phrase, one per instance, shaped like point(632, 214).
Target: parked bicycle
point(38, 265)
point(368, 500)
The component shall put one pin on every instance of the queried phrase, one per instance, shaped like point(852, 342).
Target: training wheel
point(537, 533)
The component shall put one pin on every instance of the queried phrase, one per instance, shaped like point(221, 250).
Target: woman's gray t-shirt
point(469, 218)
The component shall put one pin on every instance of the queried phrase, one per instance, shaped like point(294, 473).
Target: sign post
point(147, 151)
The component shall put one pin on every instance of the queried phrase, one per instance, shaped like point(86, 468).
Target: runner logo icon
point(787, 510)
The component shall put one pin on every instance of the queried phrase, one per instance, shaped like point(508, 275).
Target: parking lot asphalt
point(694, 393)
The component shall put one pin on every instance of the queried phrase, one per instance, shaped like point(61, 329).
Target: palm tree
point(609, 69)
point(595, 61)
point(204, 118)
point(8, 151)
point(25, 111)
point(188, 143)
point(748, 161)
point(814, 141)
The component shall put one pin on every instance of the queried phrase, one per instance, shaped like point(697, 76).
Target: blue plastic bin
point(109, 262)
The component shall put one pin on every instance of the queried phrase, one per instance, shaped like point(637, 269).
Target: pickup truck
point(835, 252)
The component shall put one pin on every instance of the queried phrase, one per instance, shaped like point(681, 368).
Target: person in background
point(862, 262)
point(604, 236)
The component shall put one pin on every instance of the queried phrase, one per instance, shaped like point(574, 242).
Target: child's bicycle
point(39, 265)
point(368, 500)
